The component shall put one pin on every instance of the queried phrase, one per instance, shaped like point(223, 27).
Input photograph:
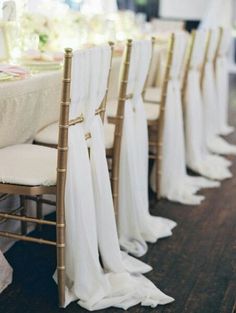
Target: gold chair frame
point(35, 192)
point(58, 190)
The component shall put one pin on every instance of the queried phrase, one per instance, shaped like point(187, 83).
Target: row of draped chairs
point(95, 159)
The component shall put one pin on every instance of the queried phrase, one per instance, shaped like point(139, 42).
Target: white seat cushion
point(153, 94)
point(109, 130)
point(27, 164)
point(152, 111)
point(48, 135)
point(111, 108)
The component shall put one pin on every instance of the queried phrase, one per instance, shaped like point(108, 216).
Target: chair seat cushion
point(109, 130)
point(153, 94)
point(48, 135)
point(29, 165)
point(152, 110)
point(111, 108)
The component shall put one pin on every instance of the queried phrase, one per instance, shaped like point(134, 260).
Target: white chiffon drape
point(222, 81)
point(5, 273)
point(90, 221)
point(176, 185)
point(199, 159)
point(215, 143)
point(218, 13)
point(135, 224)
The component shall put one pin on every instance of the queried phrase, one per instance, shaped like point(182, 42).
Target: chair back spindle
point(160, 126)
point(119, 124)
point(61, 174)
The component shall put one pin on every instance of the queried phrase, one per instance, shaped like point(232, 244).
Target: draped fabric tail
point(199, 159)
point(152, 227)
point(222, 84)
point(215, 143)
point(176, 185)
point(136, 225)
point(5, 273)
point(129, 218)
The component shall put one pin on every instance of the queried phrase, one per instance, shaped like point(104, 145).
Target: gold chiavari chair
point(37, 170)
point(154, 114)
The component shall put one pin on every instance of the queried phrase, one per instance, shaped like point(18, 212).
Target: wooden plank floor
point(197, 265)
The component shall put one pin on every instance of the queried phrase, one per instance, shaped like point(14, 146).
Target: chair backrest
point(213, 45)
point(196, 53)
point(140, 64)
point(85, 81)
point(150, 65)
point(134, 71)
point(225, 39)
point(198, 48)
point(174, 67)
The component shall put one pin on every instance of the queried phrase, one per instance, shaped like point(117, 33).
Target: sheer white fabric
point(135, 224)
point(175, 184)
point(215, 143)
point(90, 221)
point(198, 157)
point(222, 82)
point(218, 13)
point(5, 273)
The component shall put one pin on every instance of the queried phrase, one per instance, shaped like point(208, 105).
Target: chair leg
point(39, 211)
point(115, 184)
point(61, 280)
point(115, 194)
point(23, 213)
point(61, 286)
point(158, 174)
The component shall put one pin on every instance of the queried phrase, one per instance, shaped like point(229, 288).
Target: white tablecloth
point(28, 105)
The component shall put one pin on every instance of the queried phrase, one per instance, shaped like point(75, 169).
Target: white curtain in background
point(199, 159)
point(90, 219)
point(215, 143)
point(218, 13)
point(176, 184)
point(99, 6)
point(135, 224)
point(222, 81)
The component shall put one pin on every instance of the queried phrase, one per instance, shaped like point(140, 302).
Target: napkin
point(14, 70)
point(35, 55)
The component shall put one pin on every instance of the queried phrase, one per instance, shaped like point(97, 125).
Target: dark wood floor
point(197, 266)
